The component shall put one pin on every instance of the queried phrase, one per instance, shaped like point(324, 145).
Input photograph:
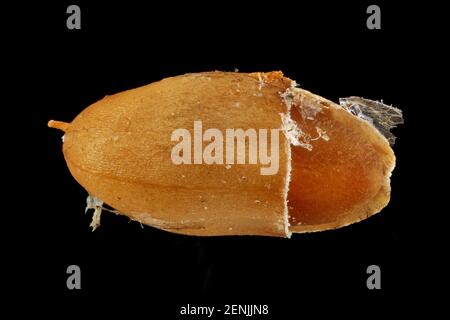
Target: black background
point(326, 48)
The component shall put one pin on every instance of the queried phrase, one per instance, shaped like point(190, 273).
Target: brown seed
point(333, 167)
